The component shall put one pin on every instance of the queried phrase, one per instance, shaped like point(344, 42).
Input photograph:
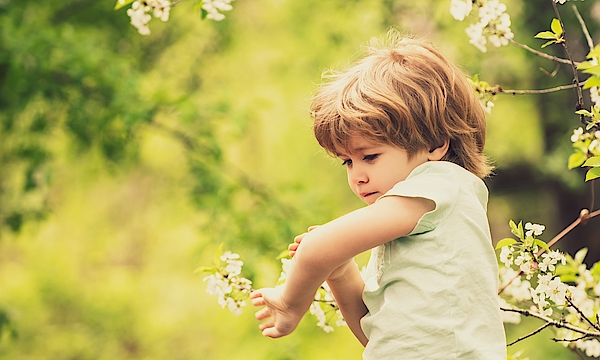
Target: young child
point(410, 131)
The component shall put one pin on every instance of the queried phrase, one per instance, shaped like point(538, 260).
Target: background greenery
point(125, 161)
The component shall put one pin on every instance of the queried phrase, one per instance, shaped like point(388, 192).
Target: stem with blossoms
point(535, 281)
point(141, 11)
point(232, 290)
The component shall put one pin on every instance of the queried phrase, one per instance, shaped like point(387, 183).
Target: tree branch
point(541, 54)
point(500, 90)
point(579, 104)
point(582, 315)
point(529, 335)
point(586, 33)
point(555, 323)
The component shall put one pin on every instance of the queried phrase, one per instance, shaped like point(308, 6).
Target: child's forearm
point(347, 289)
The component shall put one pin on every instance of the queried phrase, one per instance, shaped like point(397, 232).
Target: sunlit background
point(127, 160)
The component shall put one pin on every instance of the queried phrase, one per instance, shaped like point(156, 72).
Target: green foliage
point(555, 35)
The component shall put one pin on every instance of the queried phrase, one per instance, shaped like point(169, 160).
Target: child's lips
point(367, 194)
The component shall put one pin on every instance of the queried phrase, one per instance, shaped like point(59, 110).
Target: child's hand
point(293, 247)
point(280, 319)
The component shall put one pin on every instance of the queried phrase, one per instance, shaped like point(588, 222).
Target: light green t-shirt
point(433, 293)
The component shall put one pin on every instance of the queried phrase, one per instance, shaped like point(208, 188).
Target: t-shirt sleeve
point(434, 182)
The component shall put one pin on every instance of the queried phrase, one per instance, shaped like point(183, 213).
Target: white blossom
point(460, 8)
point(518, 289)
point(557, 291)
point(493, 24)
point(549, 260)
point(476, 37)
point(140, 13)
point(506, 256)
point(577, 133)
point(212, 7)
point(590, 347)
point(534, 229)
point(139, 17)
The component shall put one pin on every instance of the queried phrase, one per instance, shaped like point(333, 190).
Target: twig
point(593, 195)
point(530, 334)
point(541, 54)
point(579, 104)
point(571, 340)
point(581, 314)
point(500, 90)
point(586, 33)
point(555, 323)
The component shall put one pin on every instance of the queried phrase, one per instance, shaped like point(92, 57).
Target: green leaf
point(585, 65)
point(556, 27)
point(591, 82)
point(541, 244)
point(505, 242)
point(593, 70)
point(548, 35)
point(580, 255)
point(121, 3)
point(284, 254)
point(583, 112)
point(569, 278)
point(517, 230)
point(204, 269)
point(548, 43)
point(593, 161)
point(575, 160)
point(592, 174)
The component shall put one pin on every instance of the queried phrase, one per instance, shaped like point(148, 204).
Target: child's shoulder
point(443, 169)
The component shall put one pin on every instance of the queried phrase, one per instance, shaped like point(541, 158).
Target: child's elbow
point(312, 255)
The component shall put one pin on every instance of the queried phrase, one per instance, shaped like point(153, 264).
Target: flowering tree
point(556, 288)
point(142, 11)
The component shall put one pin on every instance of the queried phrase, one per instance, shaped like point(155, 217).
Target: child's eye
point(347, 162)
point(370, 157)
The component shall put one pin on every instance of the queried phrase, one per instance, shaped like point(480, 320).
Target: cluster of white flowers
point(547, 291)
point(323, 306)
point(140, 13)
point(591, 141)
point(550, 290)
point(493, 23)
point(225, 282)
point(586, 296)
point(212, 7)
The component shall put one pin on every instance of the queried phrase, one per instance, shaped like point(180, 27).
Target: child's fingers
point(263, 314)
point(257, 298)
point(311, 228)
point(298, 239)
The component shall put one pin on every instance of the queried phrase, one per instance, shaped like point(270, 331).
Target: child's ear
point(438, 153)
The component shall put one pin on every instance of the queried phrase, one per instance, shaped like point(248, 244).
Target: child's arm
point(347, 285)
point(326, 248)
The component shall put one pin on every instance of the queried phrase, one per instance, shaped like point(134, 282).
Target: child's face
point(374, 168)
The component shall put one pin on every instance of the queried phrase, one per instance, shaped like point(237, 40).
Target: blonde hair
point(406, 94)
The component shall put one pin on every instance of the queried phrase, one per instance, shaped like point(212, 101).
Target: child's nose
point(358, 177)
